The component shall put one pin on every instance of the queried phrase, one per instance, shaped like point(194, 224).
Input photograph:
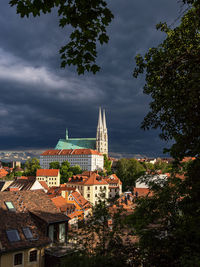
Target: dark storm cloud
point(38, 99)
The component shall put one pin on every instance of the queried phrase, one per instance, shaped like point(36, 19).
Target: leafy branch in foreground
point(173, 81)
point(89, 18)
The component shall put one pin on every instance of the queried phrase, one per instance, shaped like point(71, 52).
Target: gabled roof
point(95, 179)
point(43, 184)
point(81, 201)
point(24, 184)
point(61, 152)
point(47, 172)
point(62, 204)
point(26, 203)
point(113, 179)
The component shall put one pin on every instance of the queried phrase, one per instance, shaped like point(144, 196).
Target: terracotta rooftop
point(26, 204)
point(62, 204)
point(22, 183)
point(81, 200)
point(43, 184)
point(61, 152)
point(47, 172)
point(113, 179)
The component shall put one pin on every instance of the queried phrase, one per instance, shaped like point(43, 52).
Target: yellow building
point(50, 176)
point(29, 224)
point(91, 185)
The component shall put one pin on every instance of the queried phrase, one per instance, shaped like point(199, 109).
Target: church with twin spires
point(100, 143)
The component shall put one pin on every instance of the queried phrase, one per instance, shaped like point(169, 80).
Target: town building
point(91, 186)
point(70, 202)
point(30, 224)
point(50, 176)
point(100, 143)
point(115, 185)
point(87, 159)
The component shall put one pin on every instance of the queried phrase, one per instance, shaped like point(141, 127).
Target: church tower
point(102, 134)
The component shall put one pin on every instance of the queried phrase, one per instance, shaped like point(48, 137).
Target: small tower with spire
point(102, 134)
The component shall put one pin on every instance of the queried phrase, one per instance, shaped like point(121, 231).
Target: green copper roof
point(76, 143)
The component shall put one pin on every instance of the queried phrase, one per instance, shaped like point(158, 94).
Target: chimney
point(13, 189)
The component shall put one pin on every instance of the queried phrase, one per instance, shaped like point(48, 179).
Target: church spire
point(100, 125)
point(104, 120)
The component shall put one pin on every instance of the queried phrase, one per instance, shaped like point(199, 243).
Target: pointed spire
point(104, 120)
point(100, 125)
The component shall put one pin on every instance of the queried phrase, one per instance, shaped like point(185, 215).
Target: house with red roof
point(115, 185)
point(50, 176)
point(91, 186)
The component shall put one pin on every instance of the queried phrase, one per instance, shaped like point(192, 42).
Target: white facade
point(89, 162)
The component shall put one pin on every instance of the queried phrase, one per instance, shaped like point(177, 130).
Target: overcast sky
point(39, 100)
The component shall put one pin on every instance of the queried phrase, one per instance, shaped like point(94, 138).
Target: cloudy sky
point(39, 100)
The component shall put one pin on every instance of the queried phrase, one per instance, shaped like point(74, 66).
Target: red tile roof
point(26, 204)
point(70, 152)
point(43, 184)
point(113, 179)
point(47, 172)
point(81, 200)
point(142, 192)
point(62, 204)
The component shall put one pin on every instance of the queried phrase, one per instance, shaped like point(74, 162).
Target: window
point(51, 232)
point(27, 232)
point(10, 206)
point(88, 188)
point(33, 256)
point(88, 195)
point(62, 232)
point(13, 235)
point(95, 187)
point(18, 258)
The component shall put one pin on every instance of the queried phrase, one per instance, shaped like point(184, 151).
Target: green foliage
point(163, 166)
point(66, 171)
point(107, 165)
point(18, 174)
point(54, 165)
point(172, 80)
point(168, 222)
point(98, 244)
point(31, 166)
point(129, 170)
point(88, 18)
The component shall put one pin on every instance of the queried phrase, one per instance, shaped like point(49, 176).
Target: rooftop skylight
point(13, 235)
point(10, 205)
point(27, 232)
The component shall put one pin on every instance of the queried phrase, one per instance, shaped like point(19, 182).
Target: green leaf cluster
point(31, 166)
point(129, 170)
point(88, 18)
point(66, 171)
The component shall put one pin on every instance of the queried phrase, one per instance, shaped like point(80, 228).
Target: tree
point(107, 165)
point(75, 169)
point(129, 170)
point(31, 166)
point(172, 79)
point(168, 222)
point(54, 165)
point(88, 18)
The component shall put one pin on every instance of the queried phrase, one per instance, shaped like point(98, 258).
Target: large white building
point(87, 159)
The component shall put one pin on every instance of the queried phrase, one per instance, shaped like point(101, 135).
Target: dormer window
point(10, 206)
point(27, 233)
point(13, 235)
